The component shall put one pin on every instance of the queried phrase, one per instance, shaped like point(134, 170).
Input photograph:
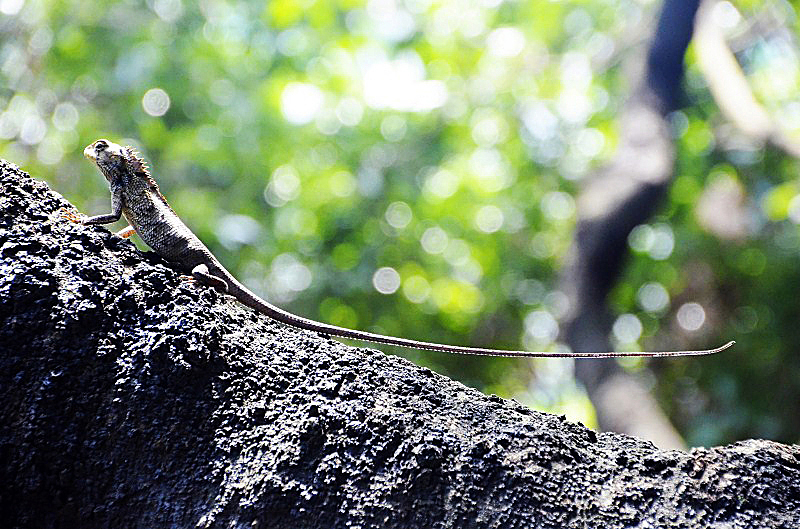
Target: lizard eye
point(100, 145)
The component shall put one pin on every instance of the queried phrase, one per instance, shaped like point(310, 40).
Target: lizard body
point(135, 195)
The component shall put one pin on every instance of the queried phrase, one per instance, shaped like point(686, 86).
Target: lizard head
point(109, 157)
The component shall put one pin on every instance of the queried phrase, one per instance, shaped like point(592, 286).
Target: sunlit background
point(411, 167)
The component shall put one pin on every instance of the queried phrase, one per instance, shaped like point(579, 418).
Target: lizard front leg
point(78, 218)
point(108, 218)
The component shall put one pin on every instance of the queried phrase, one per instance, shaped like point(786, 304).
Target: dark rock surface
point(133, 399)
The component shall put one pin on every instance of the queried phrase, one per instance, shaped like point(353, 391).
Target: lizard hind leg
point(201, 274)
point(126, 232)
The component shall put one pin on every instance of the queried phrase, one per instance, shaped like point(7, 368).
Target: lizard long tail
point(250, 299)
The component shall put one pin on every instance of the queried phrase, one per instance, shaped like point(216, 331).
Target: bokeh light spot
point(300, 102)
point(653, 297)
point(386, 280)
point(156, 102)
point(627, 328)
point(398, 215)
point(691, 316)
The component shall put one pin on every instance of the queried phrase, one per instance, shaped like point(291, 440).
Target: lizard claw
point(71, 215)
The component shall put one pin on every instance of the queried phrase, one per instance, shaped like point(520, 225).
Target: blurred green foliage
point(410, 167)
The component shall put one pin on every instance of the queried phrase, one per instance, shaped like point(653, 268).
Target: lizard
point(135, 194)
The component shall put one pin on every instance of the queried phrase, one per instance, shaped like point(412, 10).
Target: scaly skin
point(135, 195)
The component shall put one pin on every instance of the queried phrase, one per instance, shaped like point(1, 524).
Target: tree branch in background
point(616, 199)
point(729, 87)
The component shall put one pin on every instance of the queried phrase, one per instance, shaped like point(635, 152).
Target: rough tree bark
point(134, 399)
point(616, 199)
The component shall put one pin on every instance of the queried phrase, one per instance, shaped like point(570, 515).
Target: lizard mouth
point(89, 152)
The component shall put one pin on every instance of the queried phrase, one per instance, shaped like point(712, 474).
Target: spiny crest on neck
point(139, 167)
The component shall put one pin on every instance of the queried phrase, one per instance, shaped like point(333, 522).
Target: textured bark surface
point(133, 399)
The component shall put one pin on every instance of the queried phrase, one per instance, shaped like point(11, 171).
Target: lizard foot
point(202, 278)
point(202, 275)
point(71, 215)
point(126, 232)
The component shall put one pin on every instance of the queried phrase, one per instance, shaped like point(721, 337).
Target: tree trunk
point(134, 399)
point(616, 199)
